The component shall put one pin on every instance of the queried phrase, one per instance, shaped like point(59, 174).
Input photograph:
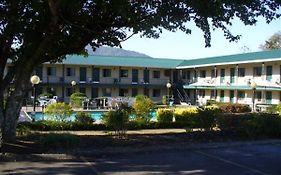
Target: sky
point(178, 45)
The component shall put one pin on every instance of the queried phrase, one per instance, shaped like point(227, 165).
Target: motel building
point(242, 78)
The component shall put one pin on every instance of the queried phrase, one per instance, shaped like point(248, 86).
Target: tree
point(34, 32)
point(142, 108)
point(274, 42)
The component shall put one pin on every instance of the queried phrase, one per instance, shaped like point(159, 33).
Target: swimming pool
point(96, 115)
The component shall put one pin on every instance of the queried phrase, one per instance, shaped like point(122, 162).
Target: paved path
point(255, 158)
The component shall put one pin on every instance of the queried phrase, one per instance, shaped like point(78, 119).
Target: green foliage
point(142, 108)
point(186, 116)
point(274, 42)
point(234, 108)
point(273, 109)
point(206, 118)
point(45, 94)
point(84, 118)
point(49, 125)
point(164, 100)
point(164, 115)
point(117, 120)
point(58, 111)
point(214, 102)
point(62, 141)
point(23, 130)
point(76, 99)
point(277, 109)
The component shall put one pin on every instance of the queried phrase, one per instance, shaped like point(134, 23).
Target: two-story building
point(104, 76)
point(232, 78)
point(243, 78)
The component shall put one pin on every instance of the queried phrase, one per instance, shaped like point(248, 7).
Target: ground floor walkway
point(251, 158)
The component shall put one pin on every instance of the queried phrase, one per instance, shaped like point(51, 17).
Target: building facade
point(251, 78)
point(224, 78)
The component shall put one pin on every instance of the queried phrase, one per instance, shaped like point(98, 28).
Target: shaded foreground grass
point(69, 143)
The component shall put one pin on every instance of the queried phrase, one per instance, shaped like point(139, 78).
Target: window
point(124, 73)
point(156, 92)
point(134, 92)
point(156, 74)
point(68, 92)
point(222, 96)
point(167, 73)
point(222, 73)
point(202, 93)
point(257, 71)
point(202, 74)
point(70, 71)
point(214, 73)
point(258, 95)
point(106, 72)
point(82, 90)
point(51, 71)
point(123, 92)
point(241, 72)
point(241, 95)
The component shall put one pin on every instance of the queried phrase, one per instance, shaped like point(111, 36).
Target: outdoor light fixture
point(34, 81)
point(254, 87)
point(168, 85)
point(73, 83)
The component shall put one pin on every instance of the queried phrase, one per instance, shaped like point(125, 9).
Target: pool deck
point(129, 132)
point(40, 109)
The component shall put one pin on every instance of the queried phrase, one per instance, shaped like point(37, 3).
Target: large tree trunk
point(13, 106)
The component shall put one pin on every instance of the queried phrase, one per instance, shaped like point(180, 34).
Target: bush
point(206, 118)
point(142, 108)
point(186, 116)
point(117, 120)
point(84, 118)
point(76, 99)
point(234, 108)
point(58, 111)
point(164, 115)
point(48, 95)
point(164, 100)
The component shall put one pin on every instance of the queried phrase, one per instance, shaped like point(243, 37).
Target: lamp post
point(253, 86)
point(168, 85)
point(73, 83)
point(34, 81)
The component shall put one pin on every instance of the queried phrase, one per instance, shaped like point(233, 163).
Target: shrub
point(48, 95)
point(142, 108)
point(84, 118)
point(206, 117)
point(185, 116)
point(58, 111)
point(164, 115)
point(117, 120)
point(234, 108)
point(164, 100)
point(76, 99)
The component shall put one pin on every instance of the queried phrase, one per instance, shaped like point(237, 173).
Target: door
point(95, 92)
point(146, 76)
point(222, 76)
point(135, 76)
point(268, 97)
point(268, 73)
point(175, 77)
point(96, 75)
point(232, 75)
point(222, 96)
point(232, 96)
point(83, 74)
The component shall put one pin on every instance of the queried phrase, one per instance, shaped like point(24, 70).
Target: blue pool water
point(96, 115)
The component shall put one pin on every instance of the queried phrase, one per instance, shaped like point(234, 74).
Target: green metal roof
point(235, 59)
point(122, 61)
